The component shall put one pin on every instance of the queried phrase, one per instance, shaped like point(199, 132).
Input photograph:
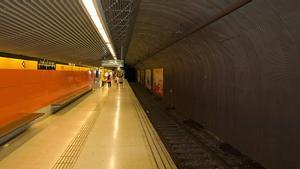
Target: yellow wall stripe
point(11, 63)
point(62, 67)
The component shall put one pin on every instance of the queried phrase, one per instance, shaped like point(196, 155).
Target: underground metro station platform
point(149, 84)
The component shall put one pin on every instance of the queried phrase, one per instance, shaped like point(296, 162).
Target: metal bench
point(15, 127)
point(64, 101)
point(20, 122)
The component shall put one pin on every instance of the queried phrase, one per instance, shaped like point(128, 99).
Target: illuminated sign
point(112, 63)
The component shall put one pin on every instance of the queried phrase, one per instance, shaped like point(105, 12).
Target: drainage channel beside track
point(190, 145)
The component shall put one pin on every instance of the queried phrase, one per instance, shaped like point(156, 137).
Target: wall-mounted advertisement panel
point(148, 82)
point(158, 81)
point(138, 76)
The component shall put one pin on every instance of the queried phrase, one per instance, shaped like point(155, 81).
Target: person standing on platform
point(109, 80)
point(104, 79)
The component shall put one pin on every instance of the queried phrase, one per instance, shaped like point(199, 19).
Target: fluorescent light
point(91, 9)
point(104, 35)
point(111, 49)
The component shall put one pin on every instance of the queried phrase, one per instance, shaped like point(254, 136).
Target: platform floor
point(106, 129)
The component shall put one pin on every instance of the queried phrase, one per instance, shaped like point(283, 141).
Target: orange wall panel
point(26, 91)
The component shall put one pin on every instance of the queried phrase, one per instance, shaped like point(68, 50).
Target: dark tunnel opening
point(130, 73)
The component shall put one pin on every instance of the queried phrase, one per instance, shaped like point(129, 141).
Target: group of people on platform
point(109, 77)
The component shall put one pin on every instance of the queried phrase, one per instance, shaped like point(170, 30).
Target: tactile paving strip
point(160, 154)
point(69, 157)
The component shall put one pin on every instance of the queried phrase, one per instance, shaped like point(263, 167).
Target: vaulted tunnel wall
point(240, 77)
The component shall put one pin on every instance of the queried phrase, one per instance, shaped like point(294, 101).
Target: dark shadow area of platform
point(189, 143)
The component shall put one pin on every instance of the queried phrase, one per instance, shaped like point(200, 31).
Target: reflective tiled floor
point(100, 130)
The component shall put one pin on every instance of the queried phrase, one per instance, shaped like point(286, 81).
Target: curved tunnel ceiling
point(161, 22)
point(56, 30)
point(60, 30)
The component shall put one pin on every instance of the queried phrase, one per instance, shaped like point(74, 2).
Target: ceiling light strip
point(97, 20)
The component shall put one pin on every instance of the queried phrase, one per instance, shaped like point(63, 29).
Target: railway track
point(187, 151)
point(190, 145)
